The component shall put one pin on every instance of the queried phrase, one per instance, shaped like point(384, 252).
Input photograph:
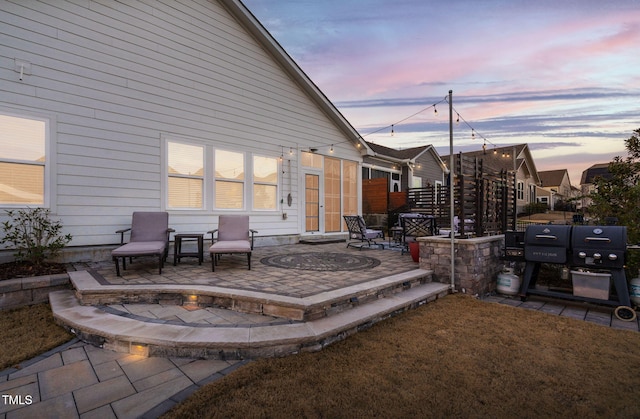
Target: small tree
point(34, 235)
point(619, 195)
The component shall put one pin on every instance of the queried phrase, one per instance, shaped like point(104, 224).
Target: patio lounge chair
point(358, 231)
point(233, 236)
point(149, 237)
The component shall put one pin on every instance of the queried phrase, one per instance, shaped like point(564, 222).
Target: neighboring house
point(556, 186)
point(414, 167)
point(512, 158)
point(190, 107)
point(587, 184)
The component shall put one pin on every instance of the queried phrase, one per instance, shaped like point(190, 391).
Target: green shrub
point(536, 208)
point(34, 235)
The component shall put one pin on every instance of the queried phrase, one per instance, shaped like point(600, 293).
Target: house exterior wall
point(428, 169)
point(117, 80)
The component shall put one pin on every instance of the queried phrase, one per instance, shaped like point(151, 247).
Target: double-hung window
point(186, 175)
point(203, 177)
point(265, 183)
point(23, 160)
point(229, 179)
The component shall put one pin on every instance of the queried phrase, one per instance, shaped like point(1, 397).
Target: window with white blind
point(229, 179)
point(202, 177)
point(23, 160)
point(185, 169)
point(265, 183)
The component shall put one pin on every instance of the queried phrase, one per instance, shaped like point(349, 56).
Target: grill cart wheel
point(624, 313)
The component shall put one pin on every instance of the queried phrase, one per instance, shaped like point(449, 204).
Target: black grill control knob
point(582, 255)
point(613, 256)
point(597, 256)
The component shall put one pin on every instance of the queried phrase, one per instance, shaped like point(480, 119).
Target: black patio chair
point(415, 225)
point(359, 232)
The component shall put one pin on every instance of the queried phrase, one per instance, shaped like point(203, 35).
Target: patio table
point(177, 247)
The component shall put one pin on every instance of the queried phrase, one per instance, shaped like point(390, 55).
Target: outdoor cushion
point(231, 246)
point(234, 236)
point(140, 249)
point(149, 236)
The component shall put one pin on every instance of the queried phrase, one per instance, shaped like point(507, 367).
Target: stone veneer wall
point(20, 292)
point(476, 266)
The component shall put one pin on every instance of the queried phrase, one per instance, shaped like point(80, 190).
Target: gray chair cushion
point(149, 226)
point(231, 246)
point(140, 249)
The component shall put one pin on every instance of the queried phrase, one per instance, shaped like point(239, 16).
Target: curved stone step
point(91, 291)
point(132, 335)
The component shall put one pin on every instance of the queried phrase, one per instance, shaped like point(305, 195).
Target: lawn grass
point(27, 332)
point(455, 357)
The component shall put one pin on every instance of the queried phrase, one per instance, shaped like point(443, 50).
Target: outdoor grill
point(547, 243)
point(600, 247)
point(513, 246)
point(596, 251)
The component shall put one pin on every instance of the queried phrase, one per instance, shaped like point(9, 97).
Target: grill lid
point(547, 243)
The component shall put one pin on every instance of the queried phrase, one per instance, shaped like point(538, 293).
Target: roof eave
point(253, 25)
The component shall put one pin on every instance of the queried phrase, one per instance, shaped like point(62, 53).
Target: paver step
point(91, 291)
point(158, 338)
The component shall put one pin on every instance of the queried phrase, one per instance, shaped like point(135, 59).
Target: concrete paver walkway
point(78, 380)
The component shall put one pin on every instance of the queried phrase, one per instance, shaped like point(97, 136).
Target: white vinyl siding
point(118, 79)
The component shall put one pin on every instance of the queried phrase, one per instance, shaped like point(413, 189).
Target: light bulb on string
point(484, 148)
point(392, 130)
point(331, 149)
point(473, 134)
point(458, 118)
point(435, 110)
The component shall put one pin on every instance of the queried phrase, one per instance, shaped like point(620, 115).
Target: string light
point(474, 133)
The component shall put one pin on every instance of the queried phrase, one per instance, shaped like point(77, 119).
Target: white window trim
point(50, 171)
point(246, 167)
point(167, 175)
point(209, 205)
point(277, 183)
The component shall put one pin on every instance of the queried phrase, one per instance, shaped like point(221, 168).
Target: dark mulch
point(26, 270)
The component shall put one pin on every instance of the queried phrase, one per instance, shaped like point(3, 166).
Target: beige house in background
point(555, 186)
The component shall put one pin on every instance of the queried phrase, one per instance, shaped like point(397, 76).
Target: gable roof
point(600, 169)
point(552, 177)
point(407, 155)
point(262, 35)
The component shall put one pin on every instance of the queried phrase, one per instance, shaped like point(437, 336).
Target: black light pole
point(451, 197)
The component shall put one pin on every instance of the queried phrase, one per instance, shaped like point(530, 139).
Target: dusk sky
point(562, 76)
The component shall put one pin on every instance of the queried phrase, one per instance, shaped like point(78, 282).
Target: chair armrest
point(252, 231)
point(121, 232)
point(212, 232)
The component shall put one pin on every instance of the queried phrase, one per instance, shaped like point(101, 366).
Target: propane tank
point(634, 290)
point(509, 283)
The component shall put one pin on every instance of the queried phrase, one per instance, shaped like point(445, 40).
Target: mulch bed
point(26, 270)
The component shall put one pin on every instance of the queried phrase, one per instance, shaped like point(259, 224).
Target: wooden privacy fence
point(483, 197)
